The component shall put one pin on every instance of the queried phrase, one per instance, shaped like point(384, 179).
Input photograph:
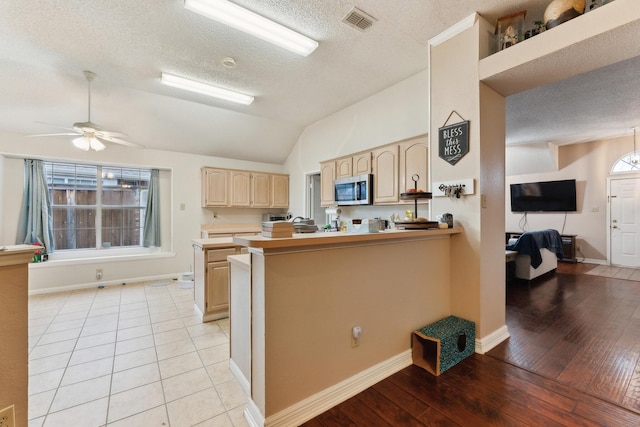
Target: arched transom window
point(630, 162)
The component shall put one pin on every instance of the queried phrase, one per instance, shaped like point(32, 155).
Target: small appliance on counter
point(270, 217)
point(304, 225)
point(333, 217)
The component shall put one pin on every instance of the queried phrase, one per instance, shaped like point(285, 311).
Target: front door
point(624, 221)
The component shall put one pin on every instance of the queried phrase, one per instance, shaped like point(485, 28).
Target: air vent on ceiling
point(358, 19)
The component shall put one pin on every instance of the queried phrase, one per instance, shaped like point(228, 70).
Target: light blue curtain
point(152, 216)
point(36, 219)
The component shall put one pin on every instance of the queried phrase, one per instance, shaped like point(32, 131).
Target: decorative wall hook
point(454, 190)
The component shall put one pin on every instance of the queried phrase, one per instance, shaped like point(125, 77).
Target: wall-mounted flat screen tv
point(548, 196)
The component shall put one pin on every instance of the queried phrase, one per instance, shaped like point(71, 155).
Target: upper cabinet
point(344, 167)
point(215, 187)
point(279, 191)
point(393, 166)
point(244, 189)
point(260, 190)
point(240, 189)
point(361, 163)
point(385, 174)
point(327, 176)
point(414, 158)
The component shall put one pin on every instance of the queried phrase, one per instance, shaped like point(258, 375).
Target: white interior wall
point(396, 113)
point(182, 225)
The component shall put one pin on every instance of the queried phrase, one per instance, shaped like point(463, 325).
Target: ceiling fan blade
point(119, 141)
point(53, 134)
point(105, 134)
point(57, 126)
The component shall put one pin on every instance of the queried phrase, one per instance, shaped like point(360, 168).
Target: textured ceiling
point(45, 45)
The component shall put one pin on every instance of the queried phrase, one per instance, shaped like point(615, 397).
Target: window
point(97, 206)
point(628, 163)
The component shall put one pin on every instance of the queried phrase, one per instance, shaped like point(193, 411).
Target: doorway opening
point(314, 209)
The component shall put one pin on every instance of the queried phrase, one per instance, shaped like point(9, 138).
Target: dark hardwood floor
point(573, 359)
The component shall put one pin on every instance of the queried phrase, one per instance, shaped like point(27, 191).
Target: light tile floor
point(129, 355)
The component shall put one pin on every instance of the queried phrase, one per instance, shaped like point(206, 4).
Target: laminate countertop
point(230, 228)
point(214, 242)
point(302, 240)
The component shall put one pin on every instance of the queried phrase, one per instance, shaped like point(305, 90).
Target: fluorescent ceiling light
point(252, 23)
point(205, 89)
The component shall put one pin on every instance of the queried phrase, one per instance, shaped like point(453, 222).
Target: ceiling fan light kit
point(86, 143)
point(250, 22)
point(205, 89)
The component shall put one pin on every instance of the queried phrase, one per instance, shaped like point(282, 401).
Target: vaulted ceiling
point(45, 45)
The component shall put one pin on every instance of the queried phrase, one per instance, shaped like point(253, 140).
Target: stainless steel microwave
point(354, 190)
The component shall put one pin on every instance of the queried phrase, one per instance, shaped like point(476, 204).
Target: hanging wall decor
point(453, 140)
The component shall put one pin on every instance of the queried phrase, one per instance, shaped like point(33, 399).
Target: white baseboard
point(595, 261)
point(244, 382)
point(326, 399)
point(253, 415)
point(493, 339)
point(105, 283)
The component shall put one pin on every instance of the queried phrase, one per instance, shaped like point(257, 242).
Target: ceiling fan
point(90, 135)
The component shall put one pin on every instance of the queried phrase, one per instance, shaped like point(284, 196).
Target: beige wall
point(478, 285)
point(590, 164)
point(310, 300)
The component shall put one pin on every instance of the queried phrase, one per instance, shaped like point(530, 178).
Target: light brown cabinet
point(385, 174)
point(361, 163)
point(279, 191)
point(414, 157)
point(217, 289)
point(215, 187)
point(240, 189)
point(327, 176)
point(244, 189)
point(260, 190)
point(344, 167)
point(392, 166)
point(211, 280)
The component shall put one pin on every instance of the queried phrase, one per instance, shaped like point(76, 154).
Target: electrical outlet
point(99, 274)
point(8, 417)
point(356, 333)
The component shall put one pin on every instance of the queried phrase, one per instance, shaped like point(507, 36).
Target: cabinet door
point(344, 167)
point(327, 176)
point(215, 184)
point(385, 171)
point(260, 194)
point(240, 188)
point(414, 155)
point(361, 163)
point(279, 191)
point(217, 290)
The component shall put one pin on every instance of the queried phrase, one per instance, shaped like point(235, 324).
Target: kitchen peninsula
point(309, 291)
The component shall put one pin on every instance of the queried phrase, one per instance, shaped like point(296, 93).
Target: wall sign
point(453, 140)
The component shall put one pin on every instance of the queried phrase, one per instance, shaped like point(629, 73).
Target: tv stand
point(568, 245)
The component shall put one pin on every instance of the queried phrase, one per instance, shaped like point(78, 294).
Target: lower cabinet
point(217, 289)
point(211, 280)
